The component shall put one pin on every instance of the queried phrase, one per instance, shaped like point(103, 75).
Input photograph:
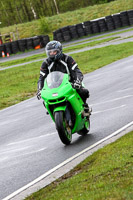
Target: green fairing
point(56, 99)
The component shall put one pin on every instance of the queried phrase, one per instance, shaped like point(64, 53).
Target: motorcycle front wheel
point(64, 131)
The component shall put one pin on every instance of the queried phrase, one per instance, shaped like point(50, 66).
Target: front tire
point(64, 131)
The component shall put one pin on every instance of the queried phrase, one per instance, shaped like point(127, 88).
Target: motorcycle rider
point(58, 61)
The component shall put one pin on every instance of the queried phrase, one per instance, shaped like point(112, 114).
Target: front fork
point(68, 117)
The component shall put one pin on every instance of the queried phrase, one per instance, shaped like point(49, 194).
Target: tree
point(13, 12)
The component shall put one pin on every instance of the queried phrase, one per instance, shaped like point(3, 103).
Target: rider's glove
point(38, 94)
point(77, 84)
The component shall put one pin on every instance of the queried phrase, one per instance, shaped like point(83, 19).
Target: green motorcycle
point(65, 106)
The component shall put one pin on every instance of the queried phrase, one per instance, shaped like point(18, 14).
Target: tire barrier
point(44, 39)
point(110, 23)
point(57, 35)
point(29, 43)
point(36, 41)
point(66, 33)
point(2, 49)
point(130, 16)
point(14, 47)
point(24, 44)
point(124, 18)
point(117, 20)
point(100, 25)
point(95, 26)
point(80, 29)
point(73, 32)
point(8, 48)
point(88, 27)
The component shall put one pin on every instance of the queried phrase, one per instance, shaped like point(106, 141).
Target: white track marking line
point(108, 109)
point(14, 150)
point(41, 136)
point(32, 152)
point(67, 161)
point(25, 154)
point(117, 99)
point(127, 89)
point(35, 138)
point(8, 122)
point(3, 159)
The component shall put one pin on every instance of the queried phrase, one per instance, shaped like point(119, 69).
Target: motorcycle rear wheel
point(64, 131)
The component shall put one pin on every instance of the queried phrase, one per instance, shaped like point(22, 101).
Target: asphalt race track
point(29, 144)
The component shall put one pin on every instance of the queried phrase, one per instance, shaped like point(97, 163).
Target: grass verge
point(106, 174)
point(89, 44)
point(18, 84)
point(22, 60)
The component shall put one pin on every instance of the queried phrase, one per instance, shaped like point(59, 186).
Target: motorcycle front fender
point(60, 108)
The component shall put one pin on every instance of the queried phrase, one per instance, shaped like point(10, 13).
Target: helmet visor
point(52, 52)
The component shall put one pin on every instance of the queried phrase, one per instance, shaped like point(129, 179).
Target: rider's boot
point(87, 110)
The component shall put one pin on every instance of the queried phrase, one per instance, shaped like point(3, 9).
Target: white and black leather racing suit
point(66, 65)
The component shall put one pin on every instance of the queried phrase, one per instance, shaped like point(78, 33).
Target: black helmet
point(54, 50)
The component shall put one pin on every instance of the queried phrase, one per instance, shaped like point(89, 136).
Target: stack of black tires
point(110, 23)
point(36, 41)
point(88, 27)
point(124, 18)
point(130, 16)
point(24, 44)
point(117, 20)
point(8, 48)
point(57, 35)
point(29, 43)
point(100, 25)
point(73, 32)
point(66, 33)
point(80, 29)
point(14, 47)
point(95, 26)
point(2, 49)
point(44, 39)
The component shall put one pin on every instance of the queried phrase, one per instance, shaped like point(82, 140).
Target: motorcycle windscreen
point(54, 79)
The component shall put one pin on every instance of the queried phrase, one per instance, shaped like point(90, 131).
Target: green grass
point(106, 174)
point(89, 44)
point(69, 18)
point(21, 82)
point(128, 37)
point(96, 58)
point(22, 60)
point(67, 49)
